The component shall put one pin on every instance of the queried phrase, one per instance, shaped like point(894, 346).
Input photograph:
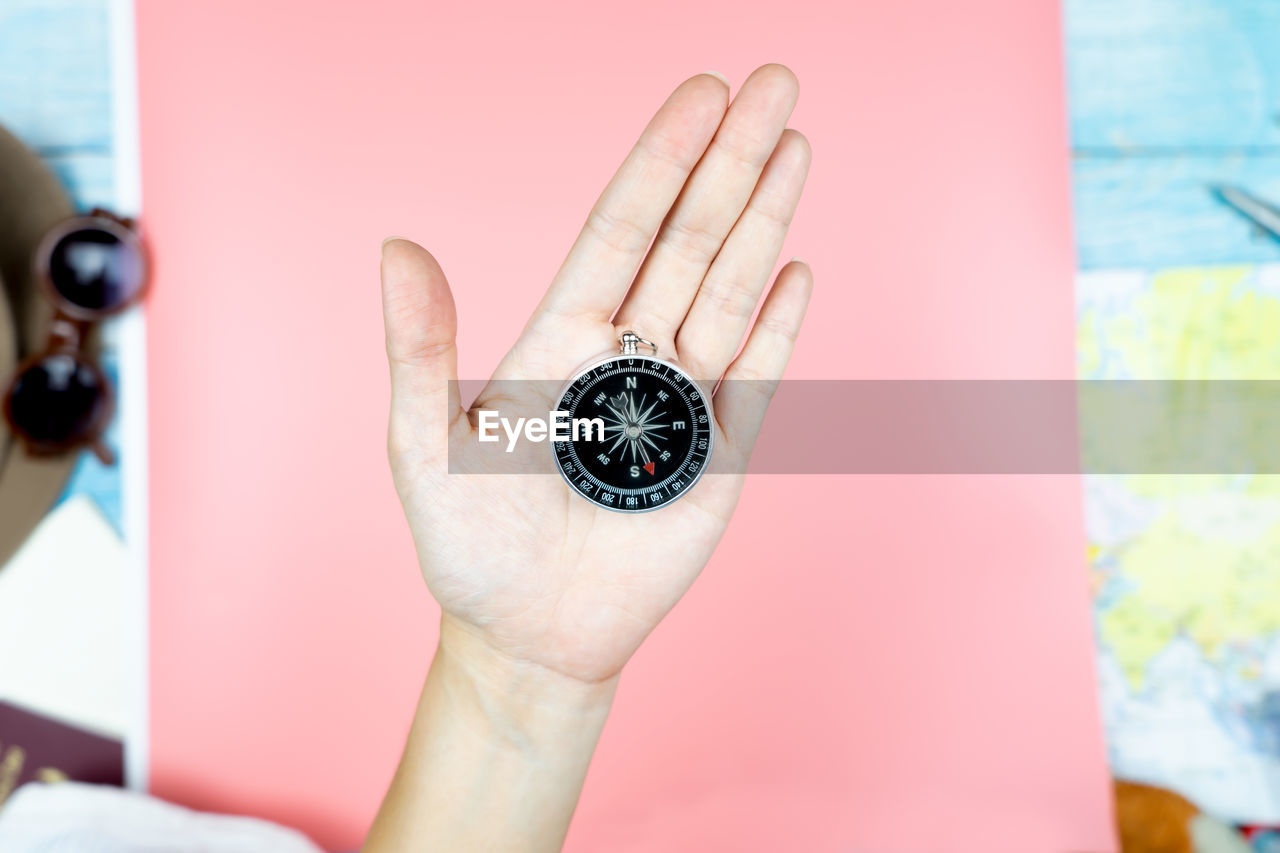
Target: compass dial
point(643, 433)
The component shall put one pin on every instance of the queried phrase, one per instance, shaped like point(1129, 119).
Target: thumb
point(421, 327)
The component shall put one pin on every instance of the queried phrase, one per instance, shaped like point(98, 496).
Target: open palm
point(679, 247)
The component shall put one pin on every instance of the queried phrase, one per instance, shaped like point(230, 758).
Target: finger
point(749, 383)
point(710, 204)
point(731, 290)
point(604, 259)
point(421, 327)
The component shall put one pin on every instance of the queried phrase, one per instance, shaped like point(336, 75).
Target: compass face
point(657, 433)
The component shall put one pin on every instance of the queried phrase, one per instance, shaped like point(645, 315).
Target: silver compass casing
point(673, 485)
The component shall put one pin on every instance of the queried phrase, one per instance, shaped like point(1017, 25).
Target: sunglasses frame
point(69, 328)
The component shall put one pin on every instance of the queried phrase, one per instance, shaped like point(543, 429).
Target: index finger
point(604, 259)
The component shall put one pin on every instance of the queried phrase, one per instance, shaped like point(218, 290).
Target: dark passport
point(36, 748)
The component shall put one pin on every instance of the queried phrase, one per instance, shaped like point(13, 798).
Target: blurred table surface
point(1165, 98)
point(55, 89)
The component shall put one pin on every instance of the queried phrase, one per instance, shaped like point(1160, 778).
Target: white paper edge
point(131, 343)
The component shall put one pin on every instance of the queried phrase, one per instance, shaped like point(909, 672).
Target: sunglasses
point(59, 400)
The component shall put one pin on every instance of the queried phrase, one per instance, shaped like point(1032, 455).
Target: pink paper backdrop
point(878, 664)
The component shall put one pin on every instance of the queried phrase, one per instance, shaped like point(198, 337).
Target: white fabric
point(70, 817)
point(1212, 836)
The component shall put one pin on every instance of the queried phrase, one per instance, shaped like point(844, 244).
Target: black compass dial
point(641, 433)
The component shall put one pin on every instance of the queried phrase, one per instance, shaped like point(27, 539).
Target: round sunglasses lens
point(57, 400)
point(94, 269)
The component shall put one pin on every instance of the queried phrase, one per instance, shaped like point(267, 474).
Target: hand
point(534, 573)
point(545, 596)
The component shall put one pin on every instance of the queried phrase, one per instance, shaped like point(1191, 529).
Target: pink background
point(880, 664)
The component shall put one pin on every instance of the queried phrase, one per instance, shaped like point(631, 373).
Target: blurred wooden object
point(1153, 820)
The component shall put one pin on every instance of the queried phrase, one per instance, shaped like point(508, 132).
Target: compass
point(647, 436)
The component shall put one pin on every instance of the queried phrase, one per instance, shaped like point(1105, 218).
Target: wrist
point(497, 754)
point(523, 703)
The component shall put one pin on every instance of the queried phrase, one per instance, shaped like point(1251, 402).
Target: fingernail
point(716, 74)
point(796, 259)
point(389, 239)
